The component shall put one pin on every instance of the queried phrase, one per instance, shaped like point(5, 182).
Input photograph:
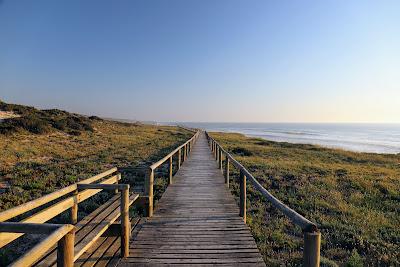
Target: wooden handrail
point(57, 208)
point(28, 228)
point(296, 218)
point(104, 186)
point(62, 234)
point(182, 152)
point(312, 236)
point(21, 209)
point(164, 159)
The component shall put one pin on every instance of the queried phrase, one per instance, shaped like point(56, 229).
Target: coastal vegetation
point(353, 197)
point(45, 150)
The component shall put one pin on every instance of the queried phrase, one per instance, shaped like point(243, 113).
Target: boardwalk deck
point(196, 221)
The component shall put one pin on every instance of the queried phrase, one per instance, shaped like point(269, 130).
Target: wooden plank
point(54, 210)
point(37, 251)
point(193, 261)
point(196, 222)
point(10, 213)
point(111, 256)
point(91, 228)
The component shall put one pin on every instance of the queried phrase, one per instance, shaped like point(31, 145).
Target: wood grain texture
point(90, 229)
point(196, 221)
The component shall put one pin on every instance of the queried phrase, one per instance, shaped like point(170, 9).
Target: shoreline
point(360, 138)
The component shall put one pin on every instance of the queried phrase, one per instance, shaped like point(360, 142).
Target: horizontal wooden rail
point(61, 234)
point(21, 209)
point(57, 208)
point(28, 228)
point(182, 152)
point(312, 236)
point(173, 152)
point(104, 186)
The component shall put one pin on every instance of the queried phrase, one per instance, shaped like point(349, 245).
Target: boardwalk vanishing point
point(195, 223)
point(196, 220)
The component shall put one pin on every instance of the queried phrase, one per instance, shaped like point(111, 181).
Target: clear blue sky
point(199, 60)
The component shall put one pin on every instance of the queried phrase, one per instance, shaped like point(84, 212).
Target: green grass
point(353, 197)
point(35, 163)
point(38, 164)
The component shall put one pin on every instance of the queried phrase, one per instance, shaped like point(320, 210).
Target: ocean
point(372, 138)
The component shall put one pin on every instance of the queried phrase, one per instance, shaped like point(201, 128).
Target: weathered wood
point(148, 191)
point(103, 186)
point(13, 212)
point(196, 220)
point(295, 217)
point(119, 178)
point(170, 170)
point(243, 196)
point(91, 228)
point(220, 159)
point(28, 228)
point(74, 208)
point(125, 224)
point(54, 210)
point(183, 146)
point(227, 171)
point(65, 250)
point(179, 159)
point(38, 250)
point(312, 247)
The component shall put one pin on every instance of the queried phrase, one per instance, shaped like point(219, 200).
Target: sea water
point(373, 138)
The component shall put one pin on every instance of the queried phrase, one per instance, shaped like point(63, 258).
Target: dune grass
point(353, 197)
point(37, 164)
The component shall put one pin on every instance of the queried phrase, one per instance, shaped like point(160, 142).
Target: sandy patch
point(8, 115)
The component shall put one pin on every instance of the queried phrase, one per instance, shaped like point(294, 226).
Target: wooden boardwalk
point(196, 222)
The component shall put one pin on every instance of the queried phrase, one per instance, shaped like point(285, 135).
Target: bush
point(30, 123)
point(75, 133)
point(241, 151)
point(355, 260)
point(95, 118)
point(43, 121)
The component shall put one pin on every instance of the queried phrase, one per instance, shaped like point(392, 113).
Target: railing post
point(74, 208)
point(125, 224)
point(170, 170)
point(227, 171)
point(220, 159)
point(242, 196)
point(65, 250)
point(179, 158)
point(118, 178)
point(149, 192)
point(312, 247)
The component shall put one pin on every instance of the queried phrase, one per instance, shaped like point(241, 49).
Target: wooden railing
point(312, 236)
point(182, 153)
point(61, 234)
point(60, 201)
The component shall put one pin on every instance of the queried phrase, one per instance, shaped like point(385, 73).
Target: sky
point(204, 60)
